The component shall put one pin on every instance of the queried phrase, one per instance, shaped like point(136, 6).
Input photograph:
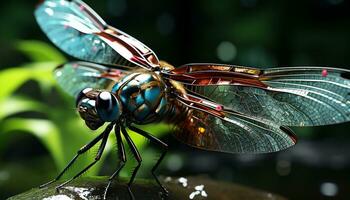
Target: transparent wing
point(320, 95)
point(292, 96)
point(76, 29)
point(230, 131)
point(75, 76)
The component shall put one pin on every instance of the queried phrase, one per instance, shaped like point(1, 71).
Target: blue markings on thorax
point(142, 96)
point(152, 95)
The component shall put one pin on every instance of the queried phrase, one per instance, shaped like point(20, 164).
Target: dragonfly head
point(97, 107)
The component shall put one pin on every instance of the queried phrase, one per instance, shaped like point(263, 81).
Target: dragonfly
point(120, 82)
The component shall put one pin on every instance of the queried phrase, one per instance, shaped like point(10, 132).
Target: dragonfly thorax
point(143, 97)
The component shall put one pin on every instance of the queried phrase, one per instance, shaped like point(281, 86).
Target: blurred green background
point(40, 131)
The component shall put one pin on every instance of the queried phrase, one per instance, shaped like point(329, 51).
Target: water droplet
point(226, 51)
point(167, 179)
point(204, 193)
point(4, 175)
point(199, 190)
point(199, 187)
point(283, 167)
point(174, 162)
point(183, 181)
point(193, 194)
point(329, 189)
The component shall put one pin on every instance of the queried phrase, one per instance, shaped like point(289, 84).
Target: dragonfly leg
point(81, 151)
point(122, 157)
point(156, 141)
point(105, 135)
point(137, 157)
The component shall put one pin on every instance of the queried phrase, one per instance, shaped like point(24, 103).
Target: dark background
point(256, 33)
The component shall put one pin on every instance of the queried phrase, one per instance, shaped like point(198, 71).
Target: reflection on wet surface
point(199, 190)
point(83, 193)
point(58, 197)
point(182, 181)
point(196, 190)
point(167, 179)
point(179, 189)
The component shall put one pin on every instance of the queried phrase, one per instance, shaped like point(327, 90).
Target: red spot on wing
point(219, 108)
point(324, 73)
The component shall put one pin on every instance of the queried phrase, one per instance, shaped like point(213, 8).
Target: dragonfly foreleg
point(81, 151)
point(137, 157)
point(122, 157)
point(105, 135)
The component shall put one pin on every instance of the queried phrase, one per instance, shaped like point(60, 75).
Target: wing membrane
point(232, 132)
point(294, 96)
point(75, 76)
point(76, 29)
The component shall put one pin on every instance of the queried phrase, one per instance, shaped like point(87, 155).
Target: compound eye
point(107, 106)
point(81, 95)
point(106, 101)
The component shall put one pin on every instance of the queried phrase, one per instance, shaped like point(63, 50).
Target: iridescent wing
point(209, 126)
point(76, 29)
point(292, 96)
point(76, 76)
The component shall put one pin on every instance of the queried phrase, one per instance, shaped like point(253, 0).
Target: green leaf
point(39, 51)
point(14, 77)
point(44, 130)
point(15, 104)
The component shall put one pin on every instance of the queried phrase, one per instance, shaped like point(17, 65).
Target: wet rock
point(179, 189)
